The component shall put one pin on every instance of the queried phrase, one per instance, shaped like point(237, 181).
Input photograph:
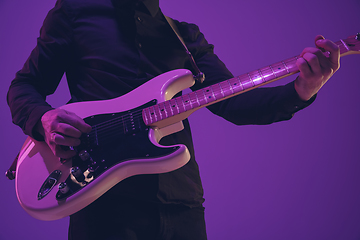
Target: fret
point(267, 74)
point(186, 101)
point(216, 91)
point(149, 115)
point(230, 87)
point(162, 109)
point(168, 109)
point(279, 69)
point(291, 64)
point(174, 107)
point(225, 86)
point(296, 57)
point(197, 98)
point(157, 111)
point(222, 91)
point(193, 100)
point(205, 97)
point(201, 97)
point(344, 48)
point(152, 114)
point(189, 101)
point(255, 77)
point(272, 70)
point(145, 115)
point(209, 94)
point(285, 67)
point(180, 104)
point(236, 84)
point(345, 45)
point(251, 79)
point(261, 75)
point(212, 92)
point(245, 81)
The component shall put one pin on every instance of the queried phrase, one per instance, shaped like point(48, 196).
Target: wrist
point(39, 128)
point(303, 93)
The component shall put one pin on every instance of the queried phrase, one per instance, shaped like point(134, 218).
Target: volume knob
point(78, 174)
point(84, 155)
point(63, 188)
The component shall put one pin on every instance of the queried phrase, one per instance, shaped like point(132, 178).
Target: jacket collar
point(152, 6)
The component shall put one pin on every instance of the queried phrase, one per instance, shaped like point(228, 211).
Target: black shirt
point(108, 48)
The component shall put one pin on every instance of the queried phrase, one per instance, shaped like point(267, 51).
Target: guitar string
point(126, 119)
point(123, 118)
point(137, 112)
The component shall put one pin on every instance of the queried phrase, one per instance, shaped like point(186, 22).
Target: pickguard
point(115, 138)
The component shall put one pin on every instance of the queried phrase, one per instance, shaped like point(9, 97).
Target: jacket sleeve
point(258, 106)
point(41, 72)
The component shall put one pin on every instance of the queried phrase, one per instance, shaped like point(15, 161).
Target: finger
point(59, 139)
point(333, 49)
point(321, 58)
point(319, 37)
point(57, 149)
point(68, 130)
point(77, 122)
point(313, 62)
point(61, 153)
point(303, 66)
point(51, 120)
point(315, 51)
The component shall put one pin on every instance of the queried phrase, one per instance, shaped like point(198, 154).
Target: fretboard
point(223, 90)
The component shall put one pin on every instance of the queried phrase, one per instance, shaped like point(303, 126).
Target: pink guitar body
point(36, 161)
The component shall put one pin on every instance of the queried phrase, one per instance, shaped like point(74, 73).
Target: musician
point(108, 48)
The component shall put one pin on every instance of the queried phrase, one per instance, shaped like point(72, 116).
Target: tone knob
point(90, 171)
point(78, 174)
point(84, 155)
point(63, 188)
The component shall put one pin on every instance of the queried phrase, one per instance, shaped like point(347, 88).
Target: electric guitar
point(125, 136)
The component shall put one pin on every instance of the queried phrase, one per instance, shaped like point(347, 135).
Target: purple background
point(292, 180)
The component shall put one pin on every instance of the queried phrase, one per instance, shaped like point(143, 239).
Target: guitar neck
point(179, 108)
